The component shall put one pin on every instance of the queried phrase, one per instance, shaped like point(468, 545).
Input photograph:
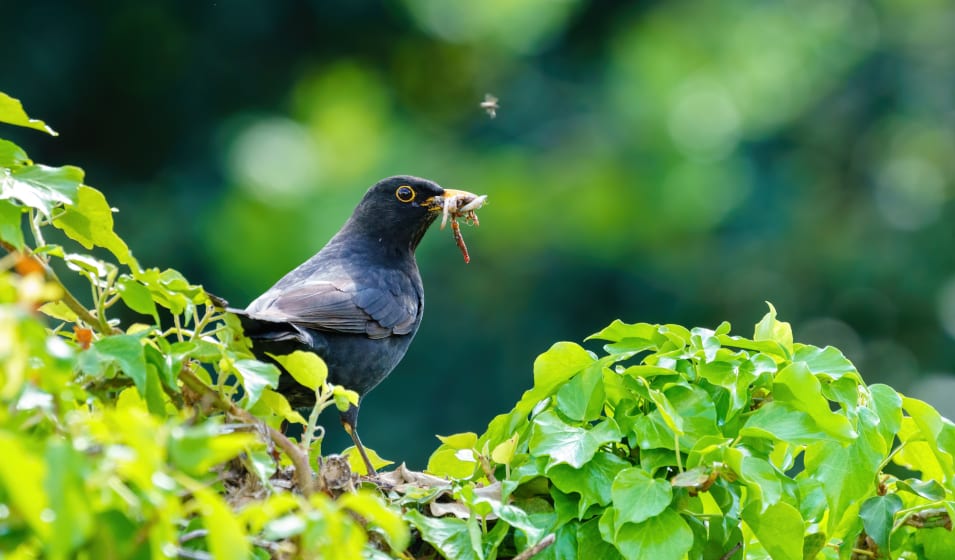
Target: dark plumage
point(358, 302)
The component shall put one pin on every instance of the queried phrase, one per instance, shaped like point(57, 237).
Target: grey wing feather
point(339, 307)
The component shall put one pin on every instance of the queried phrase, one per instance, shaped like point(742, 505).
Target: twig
point(729, 554)
point(303, 472)
point(68, 298)
point(532, 551)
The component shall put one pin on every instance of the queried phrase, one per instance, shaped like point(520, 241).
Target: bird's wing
point(343, 307)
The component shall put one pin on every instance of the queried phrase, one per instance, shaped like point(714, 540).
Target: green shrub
point(160, 437)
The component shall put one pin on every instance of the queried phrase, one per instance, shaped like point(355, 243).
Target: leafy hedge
point(160, 437)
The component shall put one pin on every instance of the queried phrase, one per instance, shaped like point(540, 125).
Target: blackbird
point(358, 302)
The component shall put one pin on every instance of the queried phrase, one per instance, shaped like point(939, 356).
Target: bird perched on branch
point(358, 302)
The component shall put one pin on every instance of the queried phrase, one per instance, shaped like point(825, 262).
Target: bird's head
point(399, 209)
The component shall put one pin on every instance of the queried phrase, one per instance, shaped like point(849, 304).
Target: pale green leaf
point(779, 528)
point(12, 112)
point(255, 377)
point(42, 187)
point(89, 221)
point(450, 536)
point(11, 223)
point(306, 367)
point(226, 536)
point(377, 514)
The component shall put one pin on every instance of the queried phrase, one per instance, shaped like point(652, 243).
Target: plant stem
point(303, 472)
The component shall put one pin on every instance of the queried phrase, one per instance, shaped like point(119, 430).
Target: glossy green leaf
point(847, 472)
point(637, 496)
point(12, 155)
point(226, 537)
point(829, 361)
point(256, 376)
point(22, 475)
point(887, 404)
point(89, 221)
point(798, 388)
point(929, 489)
point(127, 352)
point(12, 112)
point(448, 535)
point(72, 521)
point(878, 514)
point(593, 482)
point(11, 223)
point(571, 445)
point(582, 398)
point(551, 369)
point(278, 404)
point(376, 512)
point(779, 529)
point(197, 449)
point(770, 329)
point(42, 187)
point(663, 537)
point(137, 297)
point(306, 367)
point(357, 464)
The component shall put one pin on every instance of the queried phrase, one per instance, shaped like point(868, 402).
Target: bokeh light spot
point(909, 192)
point(703, 120)
point(274, 159)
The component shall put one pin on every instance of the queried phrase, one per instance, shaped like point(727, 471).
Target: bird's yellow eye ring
point(404, 193)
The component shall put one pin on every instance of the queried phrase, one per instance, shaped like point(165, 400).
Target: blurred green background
point(654, 161)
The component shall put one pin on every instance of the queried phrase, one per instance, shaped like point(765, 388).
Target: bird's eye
point(405, 193)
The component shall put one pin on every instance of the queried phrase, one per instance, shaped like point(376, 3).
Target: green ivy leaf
point(779, 528)
point(89, 221)
point(447, 460)
point(593, 481)
point(12, 155)
point(572, 445)
point(306, 367)
point(196, 449)
point(126, 351)
point(42, 187)
point(22, 474)
point(798, 388)
point(829, 361)
point(137, 297)
point(11, 226)
point(878, 514)
point(929, 489)
point(663, 537)
point(847, 472)
point(582, 398)
point(11, 111)
point(937, 432)
point(375, 512)
point(776, 331)
point(450, 536)
point(226, 537)
point(887, 404)
point(357, 464)
point(637, 496)
point(256, 376)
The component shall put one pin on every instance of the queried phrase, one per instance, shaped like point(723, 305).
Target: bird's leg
point(350, 423)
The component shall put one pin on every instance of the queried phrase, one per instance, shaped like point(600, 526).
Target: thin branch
point(68, 298)
point(534, 550)
point(303, 472)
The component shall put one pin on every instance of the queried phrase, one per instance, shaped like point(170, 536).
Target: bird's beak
point(454, 199)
